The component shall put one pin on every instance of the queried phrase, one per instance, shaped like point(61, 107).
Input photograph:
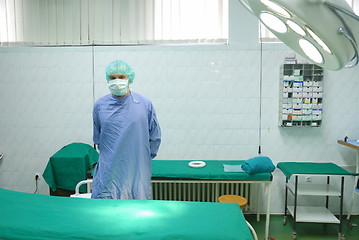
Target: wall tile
point(212, 103)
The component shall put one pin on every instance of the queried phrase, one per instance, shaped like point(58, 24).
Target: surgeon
point(128, 137)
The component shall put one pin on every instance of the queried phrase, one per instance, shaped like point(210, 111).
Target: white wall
point(210, 101)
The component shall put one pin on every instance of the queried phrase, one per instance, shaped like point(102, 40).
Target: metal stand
point(350, 224)
point(295, 207)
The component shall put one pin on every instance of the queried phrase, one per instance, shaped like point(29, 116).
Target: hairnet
point(120, 66)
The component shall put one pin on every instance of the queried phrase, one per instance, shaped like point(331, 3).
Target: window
point(112, 22)
point(267, 37)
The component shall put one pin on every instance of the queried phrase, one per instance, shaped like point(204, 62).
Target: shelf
point(314, 189)
point(301, 85)
point(313, 214)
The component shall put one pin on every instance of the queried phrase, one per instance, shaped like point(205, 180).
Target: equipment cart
point(313, 214)
point(353, 144)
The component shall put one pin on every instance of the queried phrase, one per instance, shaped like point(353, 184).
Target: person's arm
point(96, 127)
point(155, 133)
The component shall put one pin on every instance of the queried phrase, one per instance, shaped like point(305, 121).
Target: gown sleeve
point(96, 126)
point(155, 133)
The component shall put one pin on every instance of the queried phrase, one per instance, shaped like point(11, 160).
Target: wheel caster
point(351, 225)
point(341, 236)
point(284, 220)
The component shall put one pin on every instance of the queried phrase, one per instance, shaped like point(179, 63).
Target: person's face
point(118, 76)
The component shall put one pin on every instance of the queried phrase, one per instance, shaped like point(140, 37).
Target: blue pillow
point(258, 165)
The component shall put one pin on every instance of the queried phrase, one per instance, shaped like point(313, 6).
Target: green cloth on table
point(258, 164)
point(33, 216)
point(214, 170)
point(290, 168)
point(69, 165)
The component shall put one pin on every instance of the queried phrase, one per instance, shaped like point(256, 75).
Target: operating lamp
point(324, 32)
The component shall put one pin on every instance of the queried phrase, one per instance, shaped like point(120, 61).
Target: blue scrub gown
point(128, 134)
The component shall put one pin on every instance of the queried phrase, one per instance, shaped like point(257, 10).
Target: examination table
point(33, 216)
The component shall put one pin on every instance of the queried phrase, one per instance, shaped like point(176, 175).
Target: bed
point(178, 171)
point(33, 216)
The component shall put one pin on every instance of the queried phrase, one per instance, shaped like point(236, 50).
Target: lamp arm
point(341, 9)
point(355, 46)
point(343, 30)
point(246, 5)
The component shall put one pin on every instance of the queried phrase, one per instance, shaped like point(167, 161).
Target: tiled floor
point(305, 231)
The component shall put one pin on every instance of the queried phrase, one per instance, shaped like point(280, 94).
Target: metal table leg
point(269, 194)
point(355, 182)
point(341, 209)
point(295, 208)
point(285, 201)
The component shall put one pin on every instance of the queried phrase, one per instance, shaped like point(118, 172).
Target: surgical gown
point(128, 135)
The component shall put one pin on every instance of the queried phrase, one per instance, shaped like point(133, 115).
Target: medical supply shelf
point(313, 214)
point(301, 95)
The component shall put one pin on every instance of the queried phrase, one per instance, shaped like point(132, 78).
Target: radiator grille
point(198, 191)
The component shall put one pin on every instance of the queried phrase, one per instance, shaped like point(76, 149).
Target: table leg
point(258, 187)
point(341, 207)
point(285, 201)
point(295, 206)
point(269, 194)
point(327, 197)
point(355, 184)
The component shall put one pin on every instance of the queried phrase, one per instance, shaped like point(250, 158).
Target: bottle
point(346, 139)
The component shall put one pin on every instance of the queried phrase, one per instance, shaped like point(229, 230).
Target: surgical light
point(296, 28)
point(273, 22)
point(311, 51)
point(325, 32)
point(276, 8)
point(318, 40)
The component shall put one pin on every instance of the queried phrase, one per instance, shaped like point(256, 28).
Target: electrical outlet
point(37, 176)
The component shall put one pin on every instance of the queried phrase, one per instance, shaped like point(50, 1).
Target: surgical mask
point(118, 87)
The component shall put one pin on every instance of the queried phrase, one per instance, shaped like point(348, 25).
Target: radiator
point(198, 191)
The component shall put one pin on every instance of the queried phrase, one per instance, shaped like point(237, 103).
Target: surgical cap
point(120, 66)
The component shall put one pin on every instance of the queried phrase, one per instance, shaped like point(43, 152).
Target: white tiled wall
point(211, 103)
point(44, 104)
point(208, 104)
